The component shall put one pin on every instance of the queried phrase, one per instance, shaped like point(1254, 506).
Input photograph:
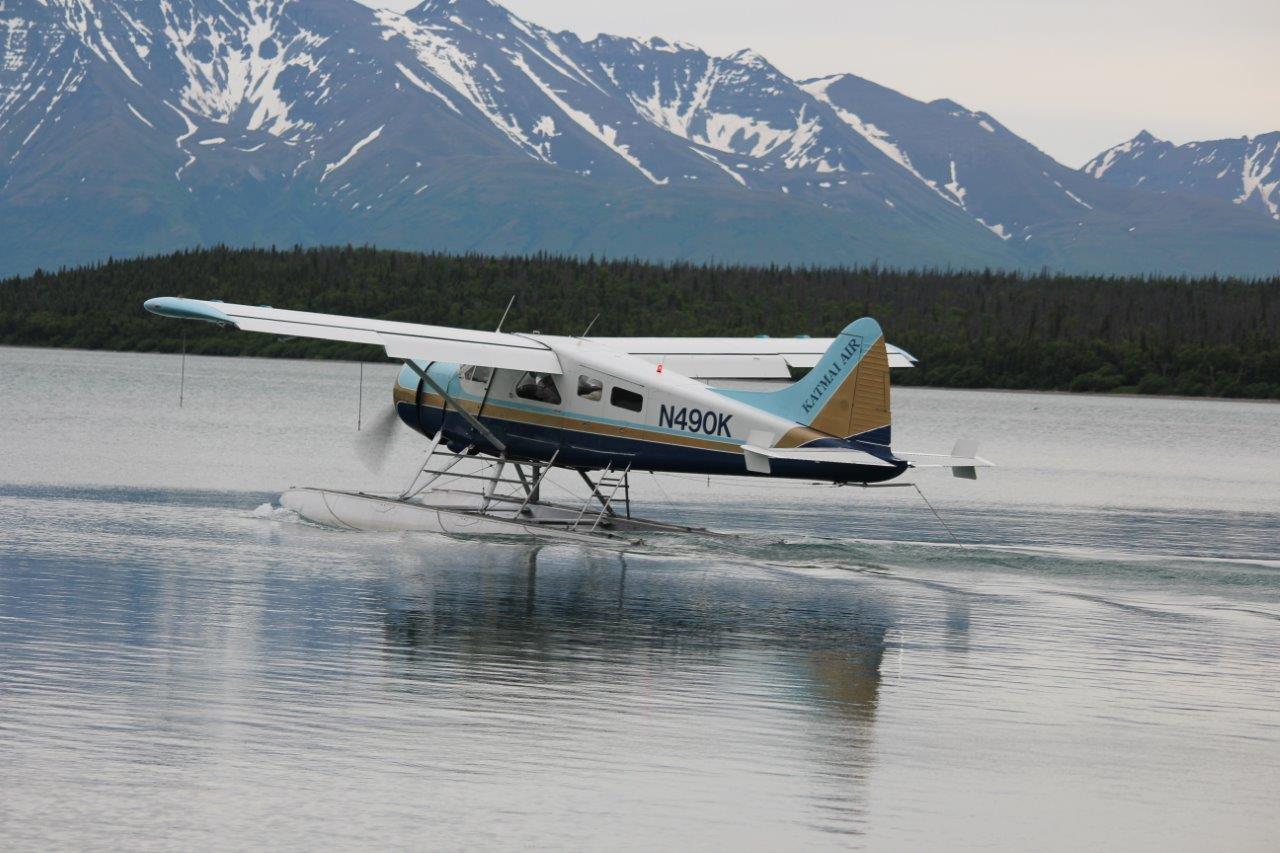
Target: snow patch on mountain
point(545, 127)
point(15, 37)
point(231, 64)
point(1253, 177)
point(69, 83)
point(544, 39)
point(36, 74)
point(996, 229)
point(953, 186)
point(746, 136)
point(182, 138)
point(676, 114)
point(85, 21)
point(737, 105)
point(139, 116)
point(880, 139)
point(1100, 165)
point(730, 172)
point(460, 71)
point(355, 149)
point(426, 87)
point(602, 132)
point(722, 129)
point(1076, 198)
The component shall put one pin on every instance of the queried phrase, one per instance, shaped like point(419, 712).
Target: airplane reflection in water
point(572, 629)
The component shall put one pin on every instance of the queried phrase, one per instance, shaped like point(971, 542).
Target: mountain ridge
point(1244, 171)
point(460, 126)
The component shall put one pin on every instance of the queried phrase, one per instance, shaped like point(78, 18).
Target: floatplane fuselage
point(610, 408)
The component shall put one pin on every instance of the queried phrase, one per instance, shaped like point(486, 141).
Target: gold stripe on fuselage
point(557, 420)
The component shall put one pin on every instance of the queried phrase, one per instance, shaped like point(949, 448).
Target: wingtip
point(186, 309)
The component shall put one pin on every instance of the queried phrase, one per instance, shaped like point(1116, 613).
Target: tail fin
point(847, 394)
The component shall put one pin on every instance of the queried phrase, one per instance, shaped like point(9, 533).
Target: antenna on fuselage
point(510, 302)
point(589, 325)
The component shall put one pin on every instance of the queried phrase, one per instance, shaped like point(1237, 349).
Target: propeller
point(374, 441)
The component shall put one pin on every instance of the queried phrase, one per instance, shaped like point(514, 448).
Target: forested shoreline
point(970, 329)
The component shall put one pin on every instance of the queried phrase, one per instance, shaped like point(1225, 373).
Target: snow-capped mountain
point(134, 127)
point(968, 159)
point(1243, 171)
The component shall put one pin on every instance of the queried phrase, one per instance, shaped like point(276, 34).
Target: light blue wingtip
point(186, 309)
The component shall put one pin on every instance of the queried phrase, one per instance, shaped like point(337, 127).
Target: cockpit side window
point(626, 399)
point(538, 386)
point(475, 373)
point(590, 388)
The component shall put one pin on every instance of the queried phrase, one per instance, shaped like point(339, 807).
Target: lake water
point(183, 665)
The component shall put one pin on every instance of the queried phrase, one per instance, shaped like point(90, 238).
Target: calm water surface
point(183, 665)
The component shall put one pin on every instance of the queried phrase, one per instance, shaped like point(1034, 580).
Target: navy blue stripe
point(594, 450)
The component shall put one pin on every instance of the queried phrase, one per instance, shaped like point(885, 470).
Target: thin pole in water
point(360, 403)
point(182, 382)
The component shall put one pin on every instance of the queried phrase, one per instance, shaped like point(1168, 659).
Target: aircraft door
point(607, 414)
point(531, 408)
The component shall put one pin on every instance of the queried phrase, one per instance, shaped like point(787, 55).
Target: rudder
point(846, 394)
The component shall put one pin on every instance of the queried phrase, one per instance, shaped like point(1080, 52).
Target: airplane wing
point(737, 358)
point(403, 341)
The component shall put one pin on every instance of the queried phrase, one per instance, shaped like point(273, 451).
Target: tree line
point(970, 329)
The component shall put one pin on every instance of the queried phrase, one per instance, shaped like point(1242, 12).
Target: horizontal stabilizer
point(963, 460)
point(758, 458)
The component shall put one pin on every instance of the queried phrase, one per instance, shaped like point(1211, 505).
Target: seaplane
point(518, 406)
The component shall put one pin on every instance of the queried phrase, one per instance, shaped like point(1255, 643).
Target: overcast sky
point(1072, 77)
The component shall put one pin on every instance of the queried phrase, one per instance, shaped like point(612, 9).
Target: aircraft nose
point(404, 396)
point(406, 411)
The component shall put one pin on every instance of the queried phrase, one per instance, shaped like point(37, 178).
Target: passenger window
point(538, 386)
point(477, 374)
point(590, 389)
point(624, 399)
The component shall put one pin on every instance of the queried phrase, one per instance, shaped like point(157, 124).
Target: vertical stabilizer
point(846, 395)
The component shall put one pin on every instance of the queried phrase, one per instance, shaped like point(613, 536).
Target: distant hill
point(129, 128)
point(969, 329)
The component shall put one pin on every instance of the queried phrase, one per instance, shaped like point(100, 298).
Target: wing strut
point(467, 416)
